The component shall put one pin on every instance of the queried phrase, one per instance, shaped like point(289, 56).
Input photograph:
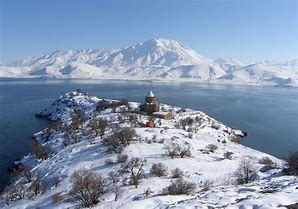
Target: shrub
point(293, 164)
point(134, 168)
point(56, 180)
point(176, 150)
point(7, 196)
point(154, 137)
point(57, 126)
point(185, 122)
point(38, 186)
point(159, 169)
point(87, 187)
point(113, 143)
point(102, 105)
point(177, 173)
point(133, 119)
point(292, 206)
point(57, 198)
point(228, 155)
point(161, 140)
point(65, 142)
point(180, 187)
point(206, 185)
point(12, 193)
point(267, 162)
point(148, 192)
point(122, 158)
point(246, 172)
point(109, 162)
point(211, 147)
point(26, 171)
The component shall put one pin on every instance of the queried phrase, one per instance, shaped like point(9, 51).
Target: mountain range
point(154, 59)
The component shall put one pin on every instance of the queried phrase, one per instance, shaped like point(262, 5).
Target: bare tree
point(176, 150)
point(172, 149)
point(119, 140)
point(185, 122)
point(133, 119)
point(27, 173)
point(118, 191)
point(87, 187)
point(246, 172)
point(114, 177)
point(71, 134)
point(77, 118)
point(41, 151)
point(134, 168)
point(126, 136)
point(184, 151)
point(99, 126)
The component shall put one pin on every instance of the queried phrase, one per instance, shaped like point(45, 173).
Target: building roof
point(150, 94)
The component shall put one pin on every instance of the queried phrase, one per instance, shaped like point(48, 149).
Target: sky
point(247, 30)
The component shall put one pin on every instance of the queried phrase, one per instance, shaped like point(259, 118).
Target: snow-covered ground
point(272, 189)
point(155, 59)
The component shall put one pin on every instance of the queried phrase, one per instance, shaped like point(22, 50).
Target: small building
point(149, 124)
point(151, 105)
point(163, 115)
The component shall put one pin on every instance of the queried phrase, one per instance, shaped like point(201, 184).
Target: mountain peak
point(162, 42)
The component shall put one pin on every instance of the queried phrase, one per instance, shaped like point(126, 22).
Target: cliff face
point(210, 160)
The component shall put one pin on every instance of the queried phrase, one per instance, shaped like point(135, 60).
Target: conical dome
point(150, 94)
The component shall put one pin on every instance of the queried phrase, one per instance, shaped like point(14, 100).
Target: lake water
point(268, 114)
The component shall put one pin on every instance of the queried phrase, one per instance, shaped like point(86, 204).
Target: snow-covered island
point(109, 154)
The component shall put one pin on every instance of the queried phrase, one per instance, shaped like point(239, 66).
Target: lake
point(268, 114)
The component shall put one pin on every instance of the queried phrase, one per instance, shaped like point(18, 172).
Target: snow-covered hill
point(211, 170)
point(158, 59)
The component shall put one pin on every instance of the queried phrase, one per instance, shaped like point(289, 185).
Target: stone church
point(151, 105)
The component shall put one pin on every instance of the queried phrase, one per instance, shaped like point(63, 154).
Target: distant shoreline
point(178, 81)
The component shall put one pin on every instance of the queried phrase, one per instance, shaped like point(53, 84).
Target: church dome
point(150, 94)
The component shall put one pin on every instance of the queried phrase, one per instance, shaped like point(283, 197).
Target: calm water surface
point(268, 114)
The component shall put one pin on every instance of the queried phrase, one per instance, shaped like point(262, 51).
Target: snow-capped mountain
point(158, 59)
